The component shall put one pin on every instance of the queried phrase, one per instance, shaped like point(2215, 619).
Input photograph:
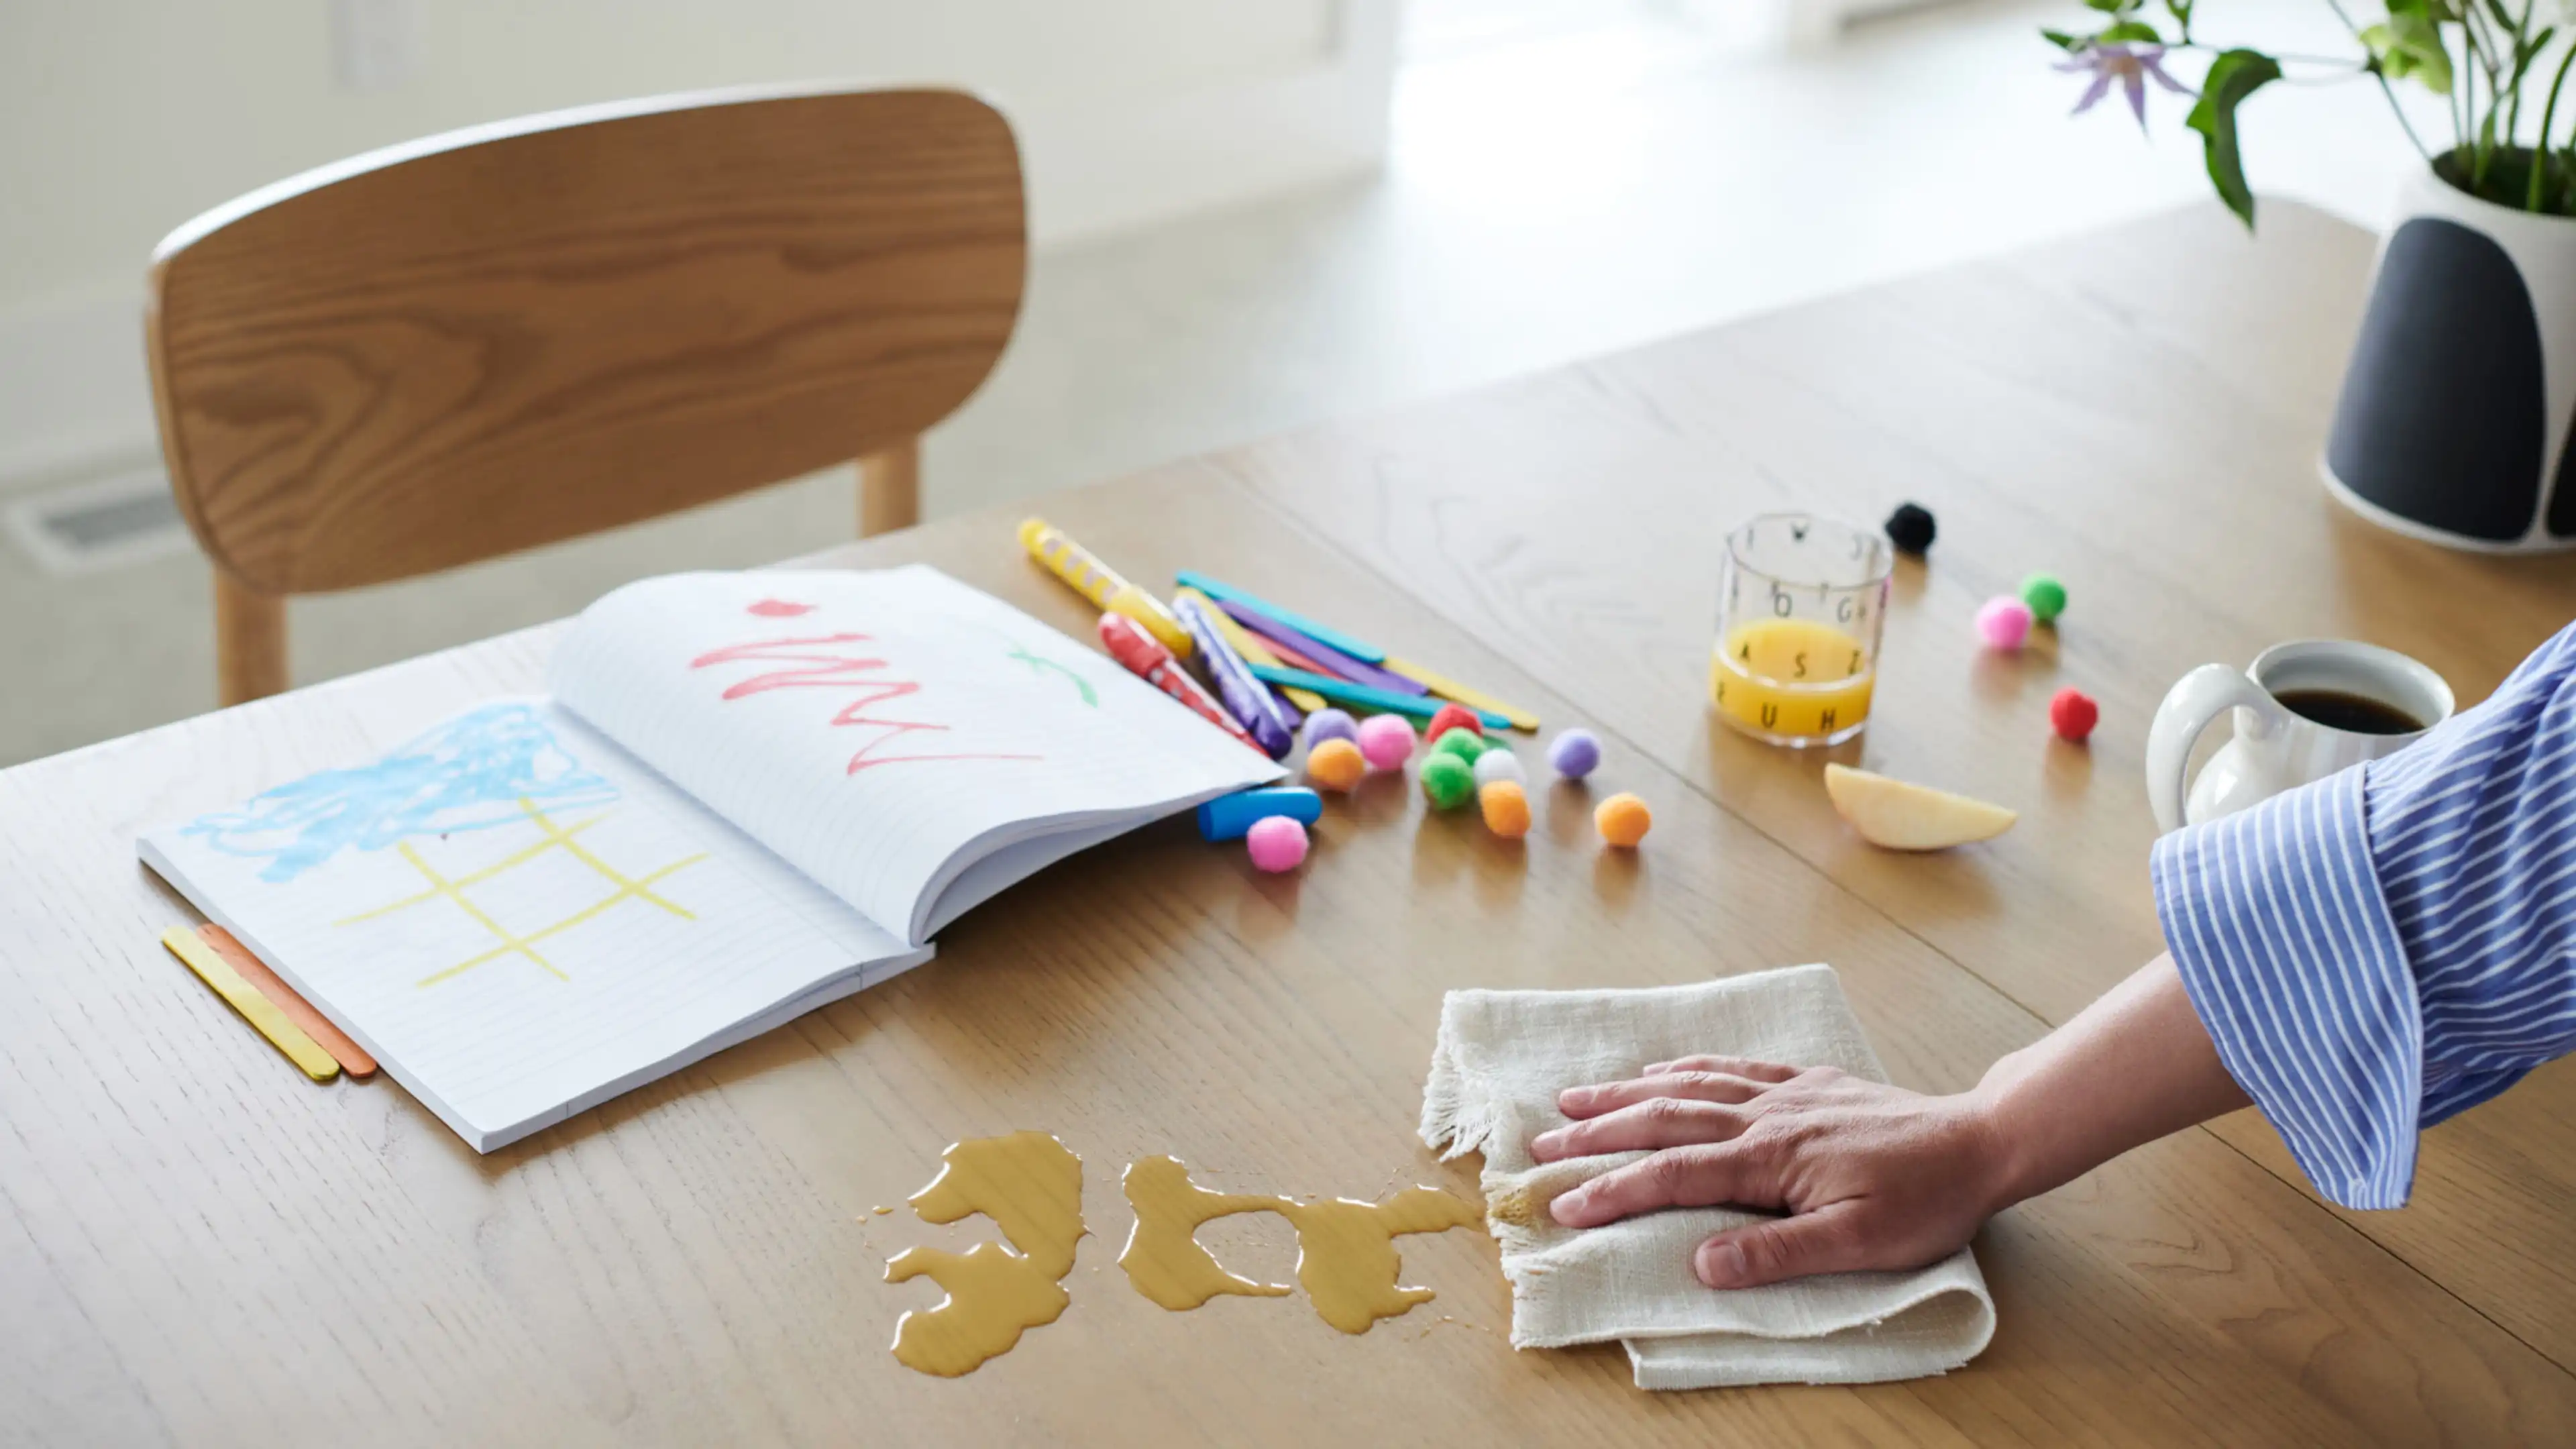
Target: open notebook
point(750, 794)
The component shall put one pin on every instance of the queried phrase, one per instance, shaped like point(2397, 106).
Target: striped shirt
point(2396, 943)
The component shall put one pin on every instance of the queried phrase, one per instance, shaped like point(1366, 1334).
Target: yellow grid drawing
point(555, 835)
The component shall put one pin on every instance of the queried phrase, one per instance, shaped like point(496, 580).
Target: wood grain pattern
point(2138, 411)
point(514, 335)
point(209, 1248)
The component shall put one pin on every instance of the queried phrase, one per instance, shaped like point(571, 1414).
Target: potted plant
point(2455, 415)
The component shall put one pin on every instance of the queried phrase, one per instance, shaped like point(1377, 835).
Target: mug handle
point(2195, 700)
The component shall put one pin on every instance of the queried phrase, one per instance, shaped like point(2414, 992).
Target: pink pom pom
point(2004, 622)
point(1277, 843)
point(1386, 740)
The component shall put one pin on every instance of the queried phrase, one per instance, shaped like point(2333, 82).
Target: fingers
point(1699, 1176)
point(1656, 1122)
point(1744, 1067)
point(1823, 1241)
point(1698, 1086)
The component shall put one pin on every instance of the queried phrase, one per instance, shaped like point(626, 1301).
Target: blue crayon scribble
point(468, 774)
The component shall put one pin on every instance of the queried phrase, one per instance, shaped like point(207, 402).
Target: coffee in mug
point(2304, 710)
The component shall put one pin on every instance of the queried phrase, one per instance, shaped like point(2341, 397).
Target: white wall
point(121, 118)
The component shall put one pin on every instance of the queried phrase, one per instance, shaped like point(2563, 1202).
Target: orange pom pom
point(1506, 808)
point(1335, 765)
point(1623, 820)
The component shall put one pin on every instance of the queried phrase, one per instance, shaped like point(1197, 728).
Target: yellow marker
point(1101, 584)
point(1448, 688)
point(285, 1035)
point(1249, 645)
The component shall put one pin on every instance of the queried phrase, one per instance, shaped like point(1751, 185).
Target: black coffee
point(2358, 713)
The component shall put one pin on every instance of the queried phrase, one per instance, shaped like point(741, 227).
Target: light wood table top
point(197, 1245)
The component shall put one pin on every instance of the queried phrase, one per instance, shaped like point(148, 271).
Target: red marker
point(1147, 659)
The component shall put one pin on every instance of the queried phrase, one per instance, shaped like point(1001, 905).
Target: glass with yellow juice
point(1798, 616)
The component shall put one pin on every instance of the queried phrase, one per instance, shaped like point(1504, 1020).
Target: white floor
point(1555, 192)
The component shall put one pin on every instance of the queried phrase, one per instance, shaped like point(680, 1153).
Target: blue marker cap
point(1231, 817)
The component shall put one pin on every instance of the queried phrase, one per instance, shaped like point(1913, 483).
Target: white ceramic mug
point(2276, 748)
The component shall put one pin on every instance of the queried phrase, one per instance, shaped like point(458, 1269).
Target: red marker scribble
point(825, 663)
point(778, 609)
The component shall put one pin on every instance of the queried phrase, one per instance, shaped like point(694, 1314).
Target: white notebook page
point(517, 919)
point(884, 731)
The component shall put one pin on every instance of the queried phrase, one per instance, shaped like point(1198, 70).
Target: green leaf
point(2129, 30)
point(2232, 77)
point(2410, 45)
point(2112, 7)
point(2065, 42)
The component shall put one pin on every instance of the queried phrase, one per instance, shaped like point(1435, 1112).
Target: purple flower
point(2130, 65)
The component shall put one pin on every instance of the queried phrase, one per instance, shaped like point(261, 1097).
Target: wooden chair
point(519, 333)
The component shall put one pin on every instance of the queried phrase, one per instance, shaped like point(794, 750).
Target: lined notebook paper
point(751, 795)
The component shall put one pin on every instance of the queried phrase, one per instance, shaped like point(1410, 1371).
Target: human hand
point(1872, 1176)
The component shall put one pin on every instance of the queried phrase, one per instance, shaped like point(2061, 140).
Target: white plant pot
point(2456, 409)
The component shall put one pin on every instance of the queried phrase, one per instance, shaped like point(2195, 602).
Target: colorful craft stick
point(1448, 688)
point(256, 1009)
point(352, 1057)
point(1324, 658)
point(1225, 593)
point(1253, 648)
point(1246, 698)
point(1100, 583)
point(1151, 662)
point(1417, 705)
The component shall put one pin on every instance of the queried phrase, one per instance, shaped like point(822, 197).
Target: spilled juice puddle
point(1346, 1255)
point(1030, 1185)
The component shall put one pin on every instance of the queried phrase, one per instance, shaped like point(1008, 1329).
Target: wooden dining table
point(199, 1246)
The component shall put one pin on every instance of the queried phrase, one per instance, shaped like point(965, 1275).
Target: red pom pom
point(1452, 717)
point(2072, 713)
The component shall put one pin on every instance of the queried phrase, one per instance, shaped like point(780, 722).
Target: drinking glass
point(1799, 608)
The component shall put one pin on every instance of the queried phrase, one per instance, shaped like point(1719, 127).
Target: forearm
point(2132, 1067)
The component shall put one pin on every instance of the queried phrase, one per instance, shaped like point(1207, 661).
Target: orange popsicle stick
point(352, 1058)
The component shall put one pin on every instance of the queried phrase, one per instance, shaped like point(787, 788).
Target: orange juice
point(1792, 680)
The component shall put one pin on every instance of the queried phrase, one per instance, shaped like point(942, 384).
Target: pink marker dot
point(2004, 622)
point(1277, 843)
point(778, 609)
point(1386, 740)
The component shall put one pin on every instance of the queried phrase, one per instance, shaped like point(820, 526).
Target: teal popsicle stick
point(1386, 700)
point(1360, 650)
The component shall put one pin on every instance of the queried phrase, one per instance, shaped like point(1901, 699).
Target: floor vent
point(108, 520)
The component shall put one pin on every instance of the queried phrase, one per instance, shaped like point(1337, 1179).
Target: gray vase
point(2456, 408)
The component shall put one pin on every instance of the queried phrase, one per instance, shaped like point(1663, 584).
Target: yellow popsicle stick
point(258, 1010)
point(1249, 645)
point(1448, 688)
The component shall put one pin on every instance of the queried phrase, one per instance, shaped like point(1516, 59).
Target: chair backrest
point(519, 333)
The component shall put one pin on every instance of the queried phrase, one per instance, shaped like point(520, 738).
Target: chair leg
point(890, 489)
point(250, 642)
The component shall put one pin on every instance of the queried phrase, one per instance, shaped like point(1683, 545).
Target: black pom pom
point(1911, 528)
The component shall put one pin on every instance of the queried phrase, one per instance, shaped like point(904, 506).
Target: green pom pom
point(1447, 780)
point(2045, 595)
point(1465, 744)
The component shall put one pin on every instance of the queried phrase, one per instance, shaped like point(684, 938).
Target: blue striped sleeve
point(2397, 943)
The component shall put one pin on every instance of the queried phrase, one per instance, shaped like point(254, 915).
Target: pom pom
point(1506, 808)
point(1329, 723)
point(1452, 717)
point(2045, 595)
point(2003, 623)
point(1623, 820)
point(1497, 763)
point(1277, 843)
point(1465, 744)
point(1335, 764)
point(1574, 754)
point(1447, 781)
point(1911, 528)
point(2072, 713)
point(1386, 740)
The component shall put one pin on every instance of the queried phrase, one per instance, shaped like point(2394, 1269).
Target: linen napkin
point(1501, 1059)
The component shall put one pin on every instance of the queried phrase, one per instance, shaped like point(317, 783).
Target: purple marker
point(1246, 698)
point(1331, 660)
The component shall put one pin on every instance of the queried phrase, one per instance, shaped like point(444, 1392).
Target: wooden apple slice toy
point(1902, 816)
